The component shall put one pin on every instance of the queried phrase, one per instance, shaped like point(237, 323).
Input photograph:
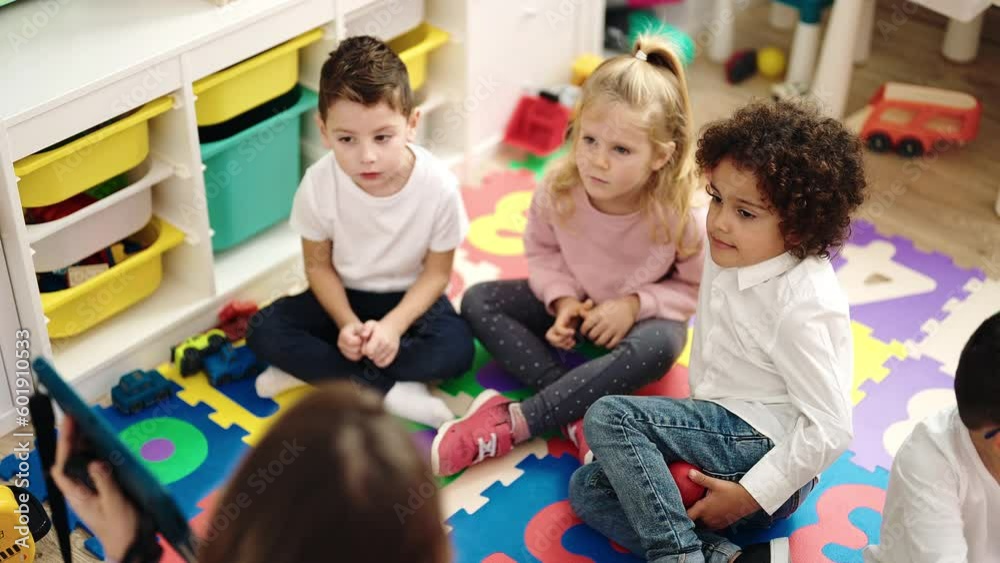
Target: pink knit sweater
point(604, 257)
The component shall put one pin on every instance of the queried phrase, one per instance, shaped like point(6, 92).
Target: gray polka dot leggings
point(511, 323)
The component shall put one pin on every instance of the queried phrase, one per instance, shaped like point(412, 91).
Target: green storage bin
point(251, 177)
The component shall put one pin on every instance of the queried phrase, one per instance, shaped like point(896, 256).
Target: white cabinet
point(90, 62)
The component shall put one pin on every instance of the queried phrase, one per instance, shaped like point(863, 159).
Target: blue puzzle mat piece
point(244, 394)
point(500, 525)
point(94, 547)
point(35, 481)
point(226, 447)
point(842, 472)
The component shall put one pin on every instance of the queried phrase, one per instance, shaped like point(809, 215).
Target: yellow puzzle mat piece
point(870, 356)
point(197, 389)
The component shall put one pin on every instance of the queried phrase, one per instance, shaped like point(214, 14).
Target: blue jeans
point(628, 495)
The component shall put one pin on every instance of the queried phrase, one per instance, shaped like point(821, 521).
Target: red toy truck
point(915, 119)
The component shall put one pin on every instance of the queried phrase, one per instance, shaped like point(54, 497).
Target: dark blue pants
point(296, 335)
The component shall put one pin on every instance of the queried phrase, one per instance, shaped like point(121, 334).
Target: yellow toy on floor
point(23, 522)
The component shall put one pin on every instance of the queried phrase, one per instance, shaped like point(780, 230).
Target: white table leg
point(961, 41)
point(833, 74)
point(805, 45)
point(723, 20)
point(866, 28)
point(782, 15)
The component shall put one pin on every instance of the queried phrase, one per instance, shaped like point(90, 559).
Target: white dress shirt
point(772, 344)
point(943, 505)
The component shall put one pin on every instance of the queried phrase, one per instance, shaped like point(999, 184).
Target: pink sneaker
point(484, 431)
point(574, 431)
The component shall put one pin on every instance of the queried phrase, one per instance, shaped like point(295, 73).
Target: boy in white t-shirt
point(380, 219)
point(943, 503)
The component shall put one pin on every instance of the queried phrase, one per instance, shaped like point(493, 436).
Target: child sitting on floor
point(614, 256)
point(943, 502)
point(771, 362)
point(380, 219)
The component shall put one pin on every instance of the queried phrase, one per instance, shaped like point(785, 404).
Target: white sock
point(272, 382)
point(413, 401)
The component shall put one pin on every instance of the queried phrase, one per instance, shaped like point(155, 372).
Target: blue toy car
point(232, 364)
point(140, 389)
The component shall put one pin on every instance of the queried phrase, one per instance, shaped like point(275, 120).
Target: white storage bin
point(63, 242)
point(385, 19)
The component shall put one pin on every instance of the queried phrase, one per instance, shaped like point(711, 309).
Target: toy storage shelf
point(172, 302)
point(90, 63)
point(93, 60)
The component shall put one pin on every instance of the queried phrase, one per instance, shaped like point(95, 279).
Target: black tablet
point(136, 481)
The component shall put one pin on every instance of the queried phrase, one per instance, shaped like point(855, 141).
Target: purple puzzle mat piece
point(886, 404)
point(423, 440)
point(492, 376)
point(901, 319)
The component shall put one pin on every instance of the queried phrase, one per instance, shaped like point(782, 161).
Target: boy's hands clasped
point(604, 324)
point(375, 340)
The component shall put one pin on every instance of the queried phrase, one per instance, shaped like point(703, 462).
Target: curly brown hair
point(810, 168)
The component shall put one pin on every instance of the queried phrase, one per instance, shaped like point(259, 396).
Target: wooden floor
point(945, 204)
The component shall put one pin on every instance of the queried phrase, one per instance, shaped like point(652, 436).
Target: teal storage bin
point(251, 177)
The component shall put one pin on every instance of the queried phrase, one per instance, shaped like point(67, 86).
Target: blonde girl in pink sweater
point(614, 254)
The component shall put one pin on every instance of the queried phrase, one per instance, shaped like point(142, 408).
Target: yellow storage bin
point(74, 310)
point(246, 85)
point(61, 173)
point(414, 46)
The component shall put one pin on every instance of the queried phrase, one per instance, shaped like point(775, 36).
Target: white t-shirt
point(943, 505)
point(379, 243)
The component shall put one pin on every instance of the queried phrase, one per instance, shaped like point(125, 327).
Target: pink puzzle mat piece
point(839, 536)
point(482, 201)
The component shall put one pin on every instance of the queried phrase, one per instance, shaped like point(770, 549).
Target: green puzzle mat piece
point(537, 164)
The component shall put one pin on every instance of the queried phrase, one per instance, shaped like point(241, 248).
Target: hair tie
point(640, 55)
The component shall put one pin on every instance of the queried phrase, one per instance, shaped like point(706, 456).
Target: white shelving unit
point(93, 61)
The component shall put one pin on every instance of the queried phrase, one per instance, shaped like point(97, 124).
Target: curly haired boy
point(771, 362)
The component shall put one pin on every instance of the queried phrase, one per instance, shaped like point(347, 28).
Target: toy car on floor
point(913, 120)
point(232, 364)
point(138, 390)
point(188, 356)
point(234, 318)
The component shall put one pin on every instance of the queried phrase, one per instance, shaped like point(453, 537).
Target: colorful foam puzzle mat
point(911, 311)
